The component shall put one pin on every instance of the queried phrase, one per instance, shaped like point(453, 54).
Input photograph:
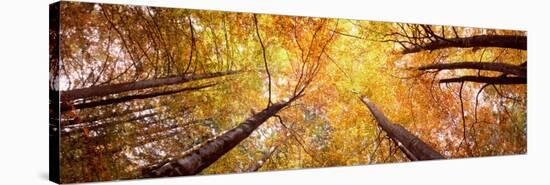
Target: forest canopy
point(151, 92)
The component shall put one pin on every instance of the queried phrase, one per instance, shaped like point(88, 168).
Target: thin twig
point(265, 59)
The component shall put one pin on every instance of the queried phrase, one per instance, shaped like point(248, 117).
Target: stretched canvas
point(143, 92)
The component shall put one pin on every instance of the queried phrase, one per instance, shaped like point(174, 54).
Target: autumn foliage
point(148, 92)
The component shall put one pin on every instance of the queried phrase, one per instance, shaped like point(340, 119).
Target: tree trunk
point(413, 147)
point(104, 90)
point(490, 66)
point(157, 135)
point(203, 155)
point(152, 131)
point(136, 97)
point(500, 41)
point(488, 80)
point(116, 114)
point(95, 126)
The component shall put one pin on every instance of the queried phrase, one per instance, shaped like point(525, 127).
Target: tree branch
point(490, 66)
point(265, 59)
point(500, 41)
point(484, 79)
point(138, 97)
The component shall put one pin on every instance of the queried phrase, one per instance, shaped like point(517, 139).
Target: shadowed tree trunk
point(151, 131)
point(101, 125)
point(115, 114)
point(518, 70)
point(147, 129)
point(500, 41)
point(488, 80)
point(137, 97)
point(143, 137)
point(104, 90)
point(54, 105)
point(156, 135)
point(413, 147)
point(203, 155)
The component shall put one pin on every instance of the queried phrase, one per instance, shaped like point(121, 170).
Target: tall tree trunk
point(413, 147)
point(104, 90)
point(102, 125)
point(115, 114)
point(152, 131)
point(500, 41)
point(54, 105)
point(488, 80)
point(518, 70)
point(136, 97)
point(157, 135)
point(203, 155)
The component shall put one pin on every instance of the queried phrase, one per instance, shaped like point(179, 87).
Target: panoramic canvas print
point(142, 92)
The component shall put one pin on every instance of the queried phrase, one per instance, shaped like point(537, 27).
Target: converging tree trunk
point(518, 70)
point(103, 125)
point(104, 90)
point(115, 114)
point(136, 97)
point(413, 147)
point(156, 130)
point(155, 136)
point(203, 155)
point(487, 80)
point(500, 41)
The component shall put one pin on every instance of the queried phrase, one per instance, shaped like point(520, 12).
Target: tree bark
point(95, 126)
point(488, 80)
point(152, 131)
point(500, 41)
point(490, 66)
point(203, 155)
point(104, 90)
point(116, 114)
point(157, 135)
point(136, 97)
point(54, 104)
point(413, 147)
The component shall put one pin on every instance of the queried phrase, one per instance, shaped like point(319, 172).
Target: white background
point(24, 99)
